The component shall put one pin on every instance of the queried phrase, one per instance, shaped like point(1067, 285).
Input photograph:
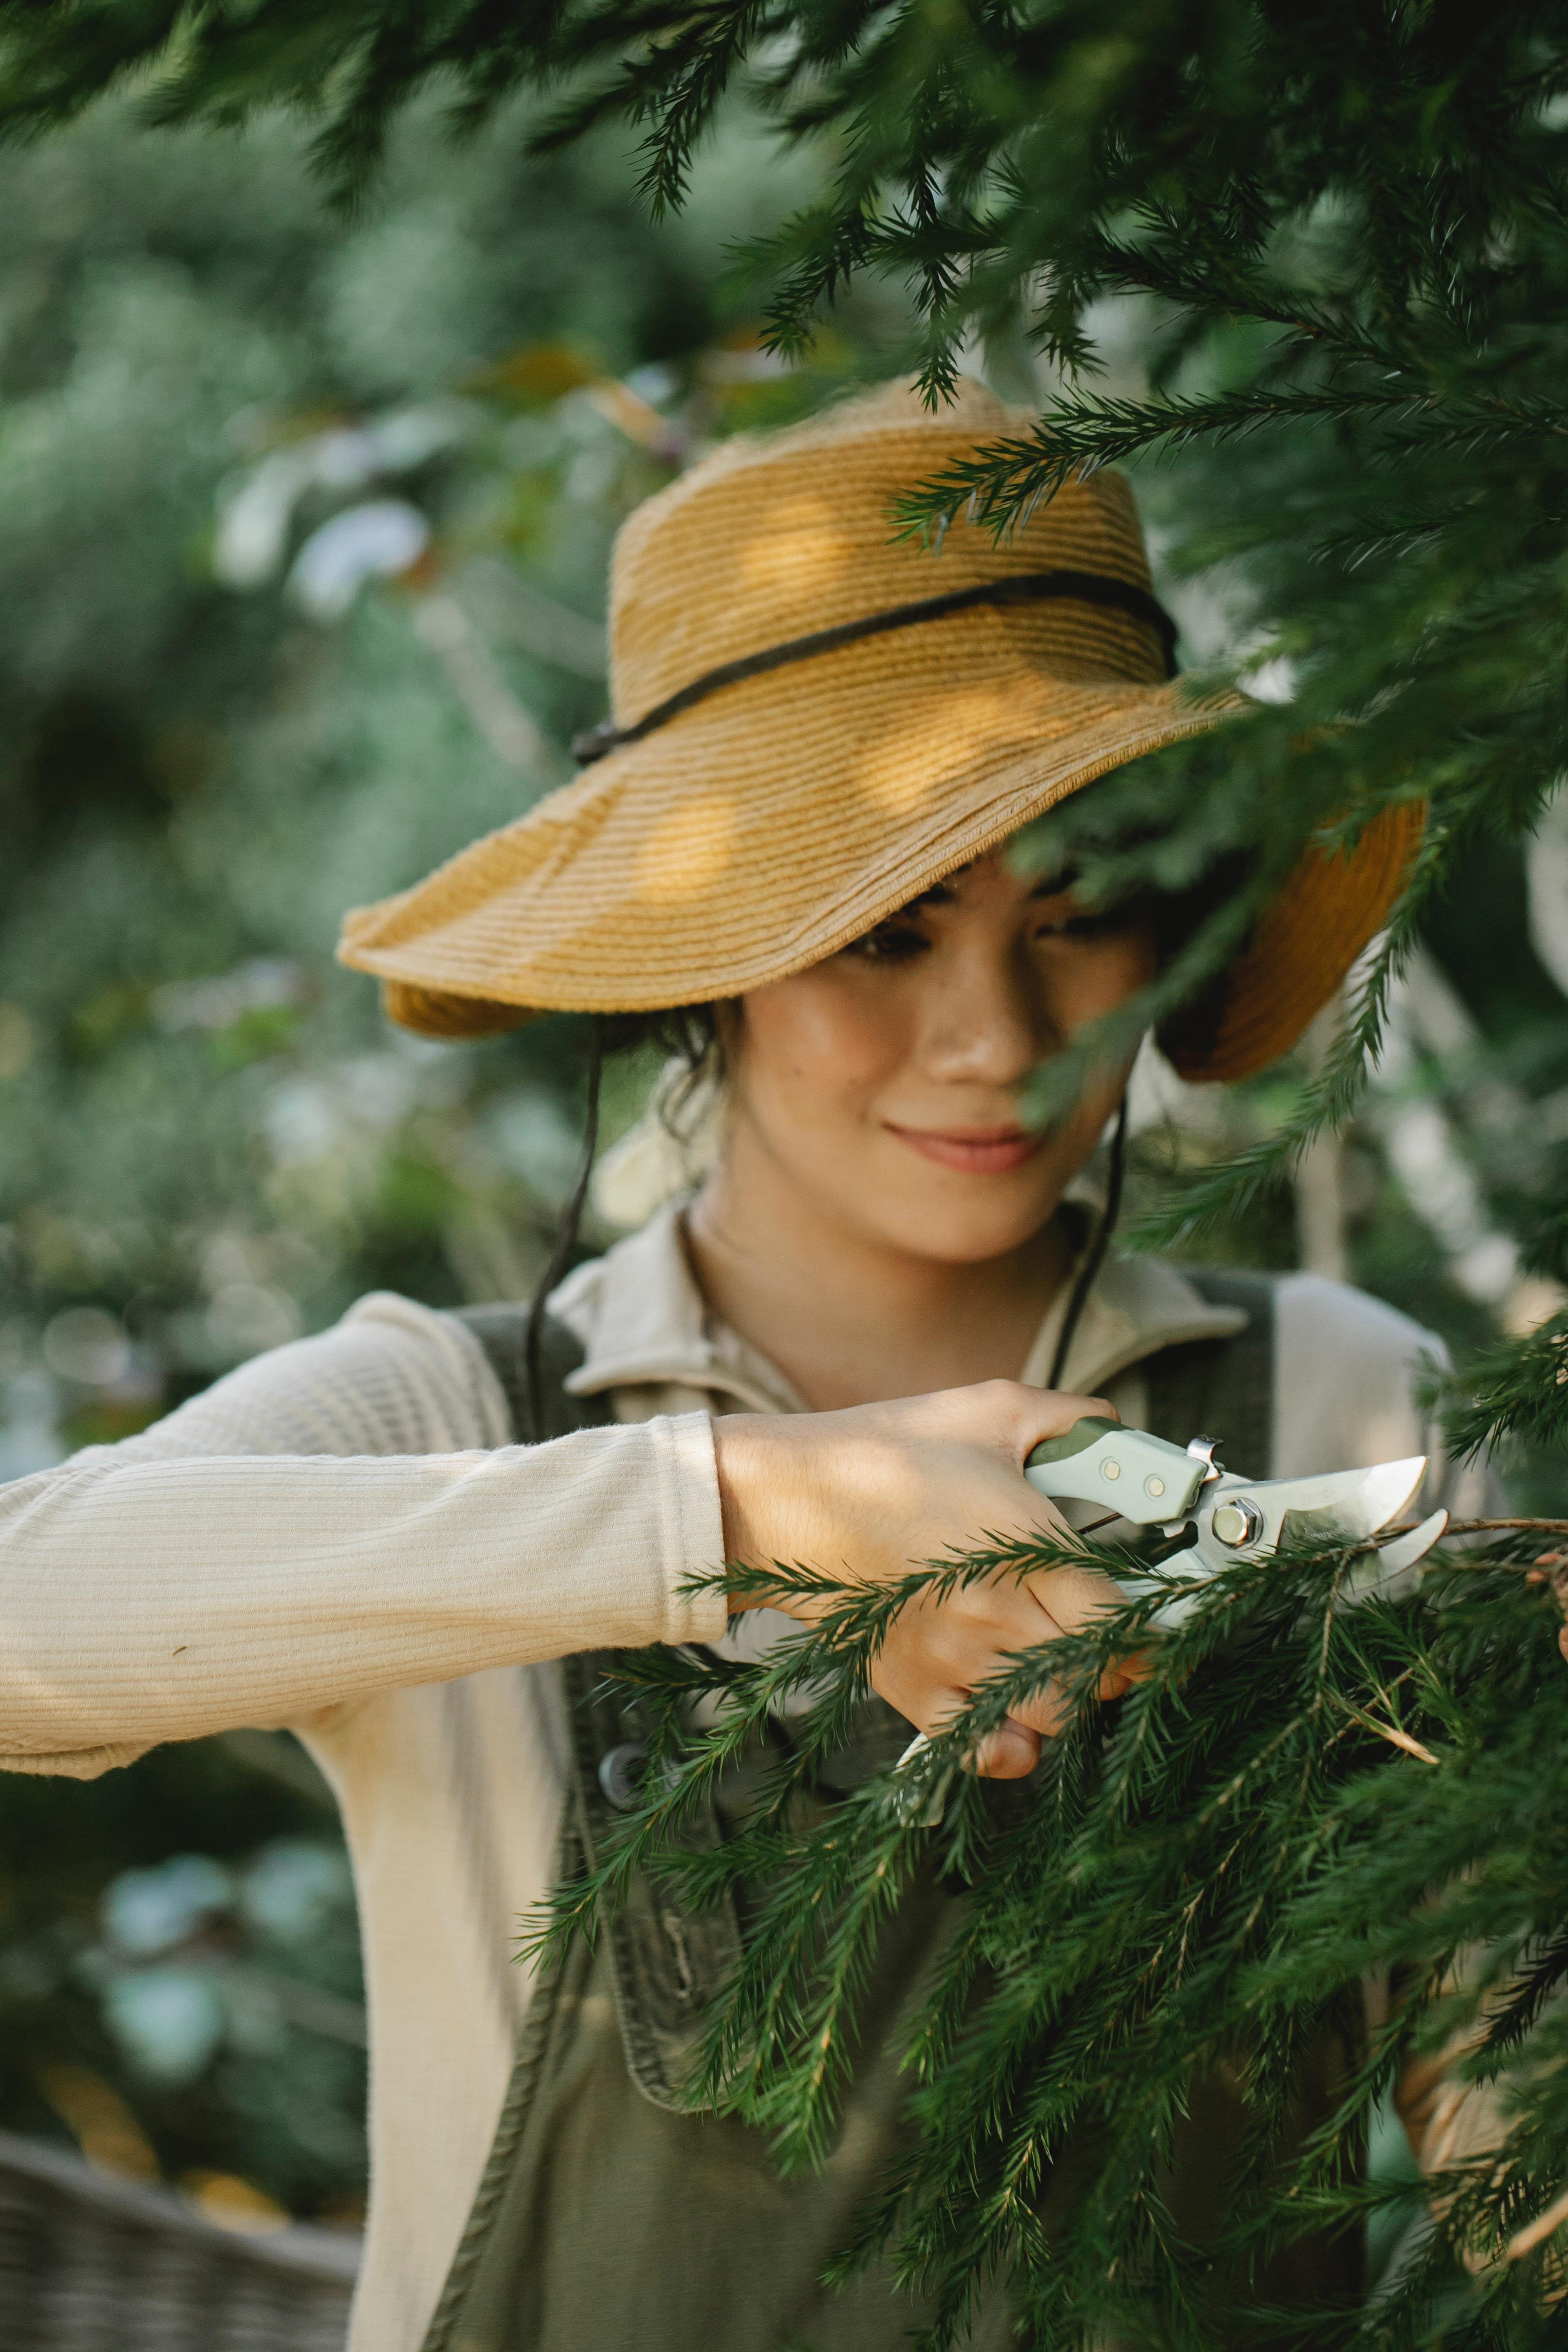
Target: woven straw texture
point(93, 2264)
point(774, 822)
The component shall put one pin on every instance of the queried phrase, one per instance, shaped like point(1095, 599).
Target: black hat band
point(1022, 588)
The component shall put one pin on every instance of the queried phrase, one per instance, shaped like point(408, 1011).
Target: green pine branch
point(1310, 1787)
point(1342, 231)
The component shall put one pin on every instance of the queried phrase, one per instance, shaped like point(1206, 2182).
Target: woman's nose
point(985, 1022)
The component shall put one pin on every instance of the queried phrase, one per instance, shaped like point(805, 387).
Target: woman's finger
point(1073, 1597)
point(1009, 1753)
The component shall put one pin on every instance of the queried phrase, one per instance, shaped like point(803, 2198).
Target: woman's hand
point(1557, 1561)
point(877, 1490)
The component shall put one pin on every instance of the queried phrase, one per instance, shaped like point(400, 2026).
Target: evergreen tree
point(1333, 236)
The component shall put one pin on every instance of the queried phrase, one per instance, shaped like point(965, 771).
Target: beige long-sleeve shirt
point(339, 1539)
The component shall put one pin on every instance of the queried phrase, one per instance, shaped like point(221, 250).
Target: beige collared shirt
point(339, 1537)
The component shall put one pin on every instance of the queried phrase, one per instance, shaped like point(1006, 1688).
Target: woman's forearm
point(160, 1589)
point(344, 1517)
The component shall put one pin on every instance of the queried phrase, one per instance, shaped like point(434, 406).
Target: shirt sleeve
point(338, 1517)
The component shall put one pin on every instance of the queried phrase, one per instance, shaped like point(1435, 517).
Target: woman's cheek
point(816, 1034)
point(1086, 987)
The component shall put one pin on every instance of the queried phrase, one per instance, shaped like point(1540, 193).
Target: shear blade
point(1403, 1553)
point(1348, 1505)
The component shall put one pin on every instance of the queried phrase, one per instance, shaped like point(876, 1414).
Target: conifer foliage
point(1310, 1793)
point(1342, 228)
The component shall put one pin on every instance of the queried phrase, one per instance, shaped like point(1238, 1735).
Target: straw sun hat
point(740, 818)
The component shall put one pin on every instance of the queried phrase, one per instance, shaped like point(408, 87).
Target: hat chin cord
point(1100, 1244)
point(559, 1257)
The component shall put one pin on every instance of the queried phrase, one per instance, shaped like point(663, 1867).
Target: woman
point(840, 1351)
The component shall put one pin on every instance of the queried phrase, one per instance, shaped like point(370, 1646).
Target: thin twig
point(1391, 1732)
point(1485, 1526)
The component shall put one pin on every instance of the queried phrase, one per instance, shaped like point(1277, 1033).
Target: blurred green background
point(302, 571)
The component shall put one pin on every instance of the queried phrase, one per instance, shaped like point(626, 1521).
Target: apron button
point(620, 1772)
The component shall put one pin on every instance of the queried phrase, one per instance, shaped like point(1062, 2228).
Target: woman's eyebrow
point(1056, 886)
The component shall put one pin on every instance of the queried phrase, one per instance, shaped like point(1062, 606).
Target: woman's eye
point(889, 943)
point(1078, 923)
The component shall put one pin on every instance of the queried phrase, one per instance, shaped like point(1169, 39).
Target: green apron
point(609, 2219)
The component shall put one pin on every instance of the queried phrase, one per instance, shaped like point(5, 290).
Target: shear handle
point(1141, 1478)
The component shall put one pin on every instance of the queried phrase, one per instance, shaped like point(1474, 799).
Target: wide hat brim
point(659, 880)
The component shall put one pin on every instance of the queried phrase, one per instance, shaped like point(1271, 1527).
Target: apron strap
point(669, 1959)
point(1221, 1388)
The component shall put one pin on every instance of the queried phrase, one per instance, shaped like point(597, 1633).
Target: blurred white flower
point(406, 437)
point(146, 1912)
point(89, 1345)
point(656, 383)
point(255, 515)
point(373, 542)
point(259, 985)
point(346, 459)
point(253, 520)
point(168, 2021)
point(295, 1886)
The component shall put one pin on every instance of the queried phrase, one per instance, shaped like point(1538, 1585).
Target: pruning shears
point(1205, 1510)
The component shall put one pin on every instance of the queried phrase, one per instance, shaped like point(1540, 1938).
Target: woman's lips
point(977, 1151)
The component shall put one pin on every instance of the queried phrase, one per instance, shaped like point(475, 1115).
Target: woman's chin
point(953, 1233)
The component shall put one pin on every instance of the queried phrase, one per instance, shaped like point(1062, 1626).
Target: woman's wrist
point(749, 1470)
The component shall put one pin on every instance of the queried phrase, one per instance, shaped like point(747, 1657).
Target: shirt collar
point(642, 1320)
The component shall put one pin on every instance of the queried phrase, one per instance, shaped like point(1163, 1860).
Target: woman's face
point(883, 1084)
